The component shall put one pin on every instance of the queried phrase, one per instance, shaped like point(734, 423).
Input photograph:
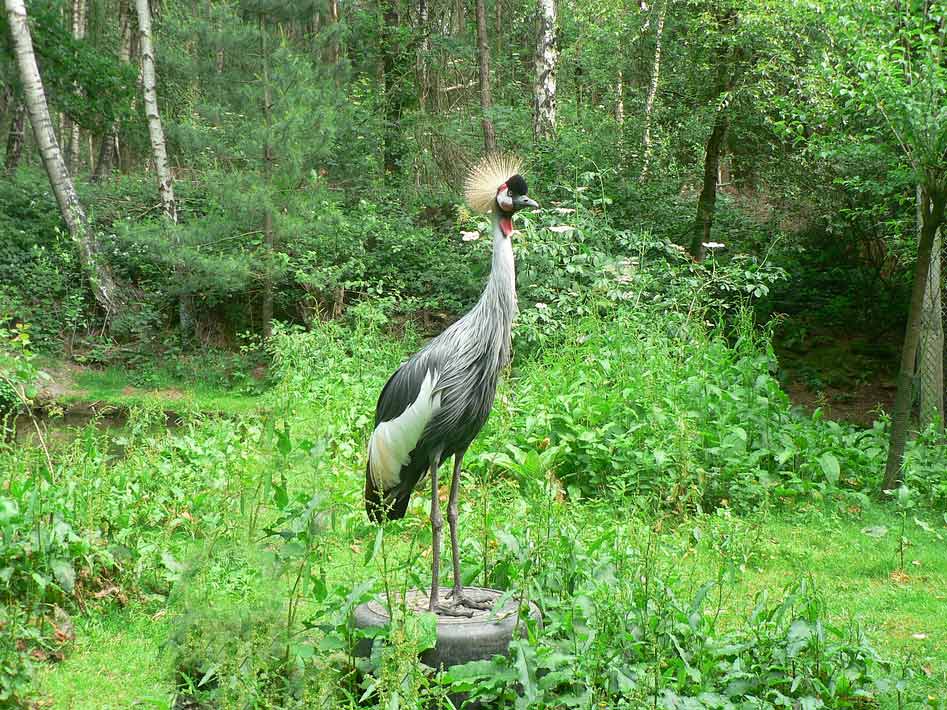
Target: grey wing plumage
point(464, 367)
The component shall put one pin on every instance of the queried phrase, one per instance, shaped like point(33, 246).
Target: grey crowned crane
point(435, 404)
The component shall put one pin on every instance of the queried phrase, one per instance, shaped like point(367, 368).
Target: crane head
point(511, 195)
point(496, 185)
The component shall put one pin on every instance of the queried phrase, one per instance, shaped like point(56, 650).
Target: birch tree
point(100, 277)
point(78, 32)
point(150, 96)
point(547, 59)
point(159, 148)
point(107, 149)
point(652, 91)
point(486, 101)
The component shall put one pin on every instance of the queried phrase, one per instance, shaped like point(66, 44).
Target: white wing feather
point(392, 442)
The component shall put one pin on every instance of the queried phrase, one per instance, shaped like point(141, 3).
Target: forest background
point(224, 222)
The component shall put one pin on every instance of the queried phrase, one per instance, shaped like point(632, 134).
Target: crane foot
point(452, 609)
point(459, 599)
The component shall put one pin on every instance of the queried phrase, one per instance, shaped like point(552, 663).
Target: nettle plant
point(617, 631)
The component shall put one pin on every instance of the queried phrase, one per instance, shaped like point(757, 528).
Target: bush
point(636, 401)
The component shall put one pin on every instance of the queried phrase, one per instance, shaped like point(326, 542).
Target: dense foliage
point(731, 185)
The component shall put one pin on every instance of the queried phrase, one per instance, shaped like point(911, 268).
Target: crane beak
point(522, 201)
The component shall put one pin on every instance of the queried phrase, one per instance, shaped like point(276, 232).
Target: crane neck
point(500, 292)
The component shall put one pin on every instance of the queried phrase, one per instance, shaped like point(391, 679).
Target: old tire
point(459, 639)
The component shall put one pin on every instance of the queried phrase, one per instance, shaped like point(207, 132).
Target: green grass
point(117, 660)
point(115, 663)
point(215, 529)
point(113, 386)
point(218, 389)
point(901, 611)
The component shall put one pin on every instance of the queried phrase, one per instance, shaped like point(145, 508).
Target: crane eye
point(505, 201)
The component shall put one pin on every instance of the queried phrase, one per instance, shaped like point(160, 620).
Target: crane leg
point(437, 523)
point(459, 599)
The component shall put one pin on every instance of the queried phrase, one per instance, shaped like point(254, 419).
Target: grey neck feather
point(497, 306)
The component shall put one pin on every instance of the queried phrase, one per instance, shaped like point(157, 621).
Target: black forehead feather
point(516, 185)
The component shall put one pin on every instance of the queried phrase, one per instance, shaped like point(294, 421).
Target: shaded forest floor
point(850, 377)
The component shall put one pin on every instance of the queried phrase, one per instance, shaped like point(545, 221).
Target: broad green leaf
point(830, 467)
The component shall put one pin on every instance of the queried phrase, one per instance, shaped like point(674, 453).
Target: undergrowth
point(629, 420)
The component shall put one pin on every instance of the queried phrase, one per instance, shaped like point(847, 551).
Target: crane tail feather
point(389, 452)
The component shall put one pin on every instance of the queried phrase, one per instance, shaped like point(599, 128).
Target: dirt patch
point(60, 383)
point(171, 393)
point(860, 404)
point(850, 377)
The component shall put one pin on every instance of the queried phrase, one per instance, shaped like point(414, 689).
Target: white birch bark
point(150, 95)
point(652, 93)
point(100, 277)
point(620, 98)
point(159, 150)
point(547, 59)
point(78, 31)
point(423, 54)
point(931, 356)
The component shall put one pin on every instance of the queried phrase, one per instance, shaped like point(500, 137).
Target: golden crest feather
point(484, 178)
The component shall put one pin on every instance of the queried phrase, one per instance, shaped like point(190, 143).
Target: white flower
point(541, 306)
point(713, 245)
point(470, 236)
point(562, 228)
point(565, 210)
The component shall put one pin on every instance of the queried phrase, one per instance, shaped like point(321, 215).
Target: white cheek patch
point(504, 200)
point(392, 442)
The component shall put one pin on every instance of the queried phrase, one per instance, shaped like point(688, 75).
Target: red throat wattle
point(506, 225)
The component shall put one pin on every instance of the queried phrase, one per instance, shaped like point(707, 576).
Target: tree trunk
point(103, 165)
point(159, 152)
point(486, 102)
point(424, 52)
point(15, 138)
point(394, 99)
point(78, 32)
point(931, 360)
point(931, 219)
point(269, 238)
point(547, 58)
point(652, 92)
point(335, 53)
point(100, 277)
point(620, 98)
point(150, 96)
point(707, 202)
point(459, 18)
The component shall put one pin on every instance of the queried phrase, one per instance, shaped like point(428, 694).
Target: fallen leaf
point(899, 577)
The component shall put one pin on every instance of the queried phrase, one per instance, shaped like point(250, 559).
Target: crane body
point(435, 404)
